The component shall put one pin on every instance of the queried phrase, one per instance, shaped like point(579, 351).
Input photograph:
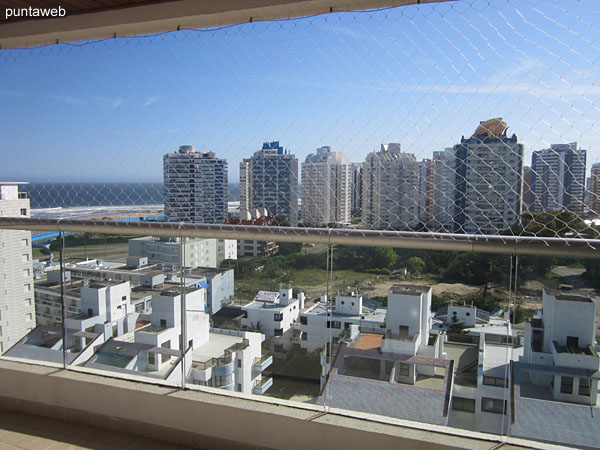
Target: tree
point(415, 265)
point(552, 224)
point(384, 258)
point(456, 327)
point(287, 248)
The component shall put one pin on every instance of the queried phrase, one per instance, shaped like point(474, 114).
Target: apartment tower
point(326, 188)
point(390, 189)
point(195, 186)
point(558, 178)
point(489, 180)
point(17, 316)
point(269, 179)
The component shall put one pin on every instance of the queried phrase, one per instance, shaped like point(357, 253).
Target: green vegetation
point(87, 239)
point(456, 327)
point(592, 272)
point(415, 265)
point(552, 224)
point(523, 314)
point(247, 287)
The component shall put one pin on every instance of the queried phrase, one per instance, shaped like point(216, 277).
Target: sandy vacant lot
point(440, 289)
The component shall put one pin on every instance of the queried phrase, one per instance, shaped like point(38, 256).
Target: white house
point(556, 380)
point(323, 320)
point(273, 313)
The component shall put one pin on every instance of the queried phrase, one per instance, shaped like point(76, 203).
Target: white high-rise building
point(558, 178)
point(426, 190)
point(444, 179)
point(356, 191)
point(390, 189)
point(195, 186)
point(593, 190)
point(269, 179)
point(489, 180)
point(326, 185)
point(17, 316)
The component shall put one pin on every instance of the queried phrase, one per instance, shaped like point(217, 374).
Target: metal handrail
point(577, 247)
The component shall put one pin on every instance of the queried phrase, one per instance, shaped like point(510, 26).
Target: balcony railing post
point(62, 298)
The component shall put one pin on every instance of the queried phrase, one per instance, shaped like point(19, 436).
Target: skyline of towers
point(195, 186)
point(476, 186)
point(269, 179)
point(326, 188)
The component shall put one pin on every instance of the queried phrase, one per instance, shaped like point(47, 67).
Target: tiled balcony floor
point(22, 431)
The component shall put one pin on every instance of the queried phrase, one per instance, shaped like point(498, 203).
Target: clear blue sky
point(419, 75)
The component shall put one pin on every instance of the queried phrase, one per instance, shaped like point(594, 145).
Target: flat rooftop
point(497, 357)
point(320, 308)
point(215, 347)
point(99, 284)
point(367, 341)
point(570, 295)
point(206, 271)
point(539, 417)
point(409, 289)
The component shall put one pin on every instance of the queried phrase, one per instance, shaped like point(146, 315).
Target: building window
point(403, 370)
point(278, 317)
point(463, 404)
point(333, 324)
point(278, 331)
point(239, 363)
point(566, 385)
point(163, 323)
point(584, 387)
point(23, 211)
point(493, 405)
point(166, 357)
point(124, 298)
point(304, 320)
point(495, 381)
point(151, 359)
point(224, 380)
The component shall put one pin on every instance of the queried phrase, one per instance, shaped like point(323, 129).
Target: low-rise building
point(196, 252)
point(555, 392)
point(110, 335)
point(325, 321)
point(413, 370)
point(275, 314)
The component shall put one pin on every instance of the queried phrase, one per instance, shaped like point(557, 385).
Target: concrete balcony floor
point(23, 431)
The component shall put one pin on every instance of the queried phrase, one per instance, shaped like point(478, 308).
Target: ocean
point(69, 195)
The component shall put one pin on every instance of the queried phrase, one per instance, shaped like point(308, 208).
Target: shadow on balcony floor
point(23, 431)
